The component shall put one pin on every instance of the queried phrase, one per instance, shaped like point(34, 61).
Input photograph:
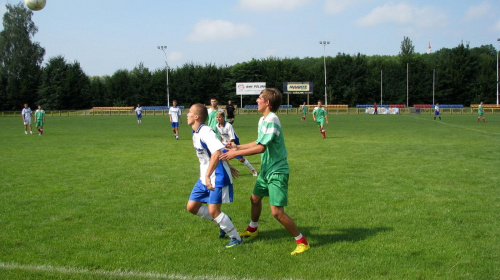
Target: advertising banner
point(250, 88)
point(298, 87)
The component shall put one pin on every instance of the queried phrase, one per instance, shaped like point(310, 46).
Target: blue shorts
point(201, 193)
point(139, 116)
point(175, 124)
point(436, 113)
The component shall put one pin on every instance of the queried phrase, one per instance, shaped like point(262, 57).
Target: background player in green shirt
point(480, 112)
point(40, 119)
point(304, 111)
point(320, 116)
point(273, 177)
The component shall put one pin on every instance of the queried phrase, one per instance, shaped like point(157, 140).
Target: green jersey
point(274, 158)
point(39, 114)
point(212, 118)
point(320, 114)
point(480, 110)
point(304, 109)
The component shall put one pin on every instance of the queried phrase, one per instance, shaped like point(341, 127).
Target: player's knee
point(193, 209)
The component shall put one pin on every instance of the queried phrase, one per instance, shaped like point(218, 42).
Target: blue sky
point(108, 35)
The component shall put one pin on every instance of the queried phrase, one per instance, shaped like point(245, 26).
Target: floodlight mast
point(498, 40)
point(324, 43)
point(164, 48)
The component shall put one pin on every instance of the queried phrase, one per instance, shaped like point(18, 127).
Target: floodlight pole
point(324, 43)
point(498, 40)
point(164, 48)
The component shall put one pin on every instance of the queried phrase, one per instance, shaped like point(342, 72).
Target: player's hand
point(209, 184)
point(230, 154)
point(234, 172)
point(231, 146)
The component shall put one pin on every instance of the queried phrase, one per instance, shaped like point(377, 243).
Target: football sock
point(300, 239)
point(248, 164)
point(252, 227)
point(323, 132)
point(227, 225)
point(203, 213)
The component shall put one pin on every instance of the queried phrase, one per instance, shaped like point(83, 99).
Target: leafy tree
point(20, 58)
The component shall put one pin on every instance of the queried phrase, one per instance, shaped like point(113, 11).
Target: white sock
point(248, 164)
point(227, 225)
point(203, 213)
point(254, 224)
point(299, 236)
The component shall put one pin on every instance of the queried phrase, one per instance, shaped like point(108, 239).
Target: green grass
point(383, 197)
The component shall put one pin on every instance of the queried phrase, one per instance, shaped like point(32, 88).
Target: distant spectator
point(230, 111)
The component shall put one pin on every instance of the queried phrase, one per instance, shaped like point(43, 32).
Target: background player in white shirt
point(215, 184)
point(138, 112)
point(175, 113)
point(27, 114)
point(227, 135)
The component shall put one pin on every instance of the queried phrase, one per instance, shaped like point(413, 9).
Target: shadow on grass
point(345, 235)
point(337, 235)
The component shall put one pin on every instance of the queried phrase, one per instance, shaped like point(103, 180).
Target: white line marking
point(115, 273)
point(458, 126)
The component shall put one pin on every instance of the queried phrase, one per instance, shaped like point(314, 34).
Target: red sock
point(324, 133)
point(251, 229)
point(302, 240)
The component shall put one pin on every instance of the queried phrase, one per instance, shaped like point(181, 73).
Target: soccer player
point(304, 112)
point(480, 112)
point(212, 114)
point(40, 119)
point(230, 111)
point(27, 114)
point(273, 177)
point(174, 113)
point(436, 111)
point(320, 116)
point(375, 111)
point(138, 112)
point(227, 135)
point(215, 185)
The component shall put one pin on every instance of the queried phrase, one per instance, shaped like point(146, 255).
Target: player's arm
point(326, 118)
point(214, 161)
point(314, 115)
point(249, 149)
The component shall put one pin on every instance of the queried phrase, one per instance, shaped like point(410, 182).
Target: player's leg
point(247, 164)
point(199, 195)
point(278, 198)
point(256, 210)
point(217, 197)
point(322, 129)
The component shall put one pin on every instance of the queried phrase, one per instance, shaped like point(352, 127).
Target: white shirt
point(205, 143)
point(226, 132)
point(138, 110)
point(26, 112)
point(174, 113)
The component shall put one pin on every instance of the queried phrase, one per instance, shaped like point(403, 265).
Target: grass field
point(382, 197)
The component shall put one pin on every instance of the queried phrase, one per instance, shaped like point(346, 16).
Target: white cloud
point(271, 5)
point(338, 6)
point(479, 11)
point(214, 30)
point(175, 56)
point(404, 15)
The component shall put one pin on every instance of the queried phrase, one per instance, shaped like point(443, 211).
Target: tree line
point(460, 75)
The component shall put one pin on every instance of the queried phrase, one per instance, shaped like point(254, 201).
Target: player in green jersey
point(273, 177)
point(480, 112)
point(320, 116)
point(304, 112)
point(40, 120)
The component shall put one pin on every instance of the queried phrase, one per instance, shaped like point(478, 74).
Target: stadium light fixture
point(498, 40)
point(164, 49)
point(324, 43)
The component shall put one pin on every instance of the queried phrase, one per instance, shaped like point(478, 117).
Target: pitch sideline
point(115, 273)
